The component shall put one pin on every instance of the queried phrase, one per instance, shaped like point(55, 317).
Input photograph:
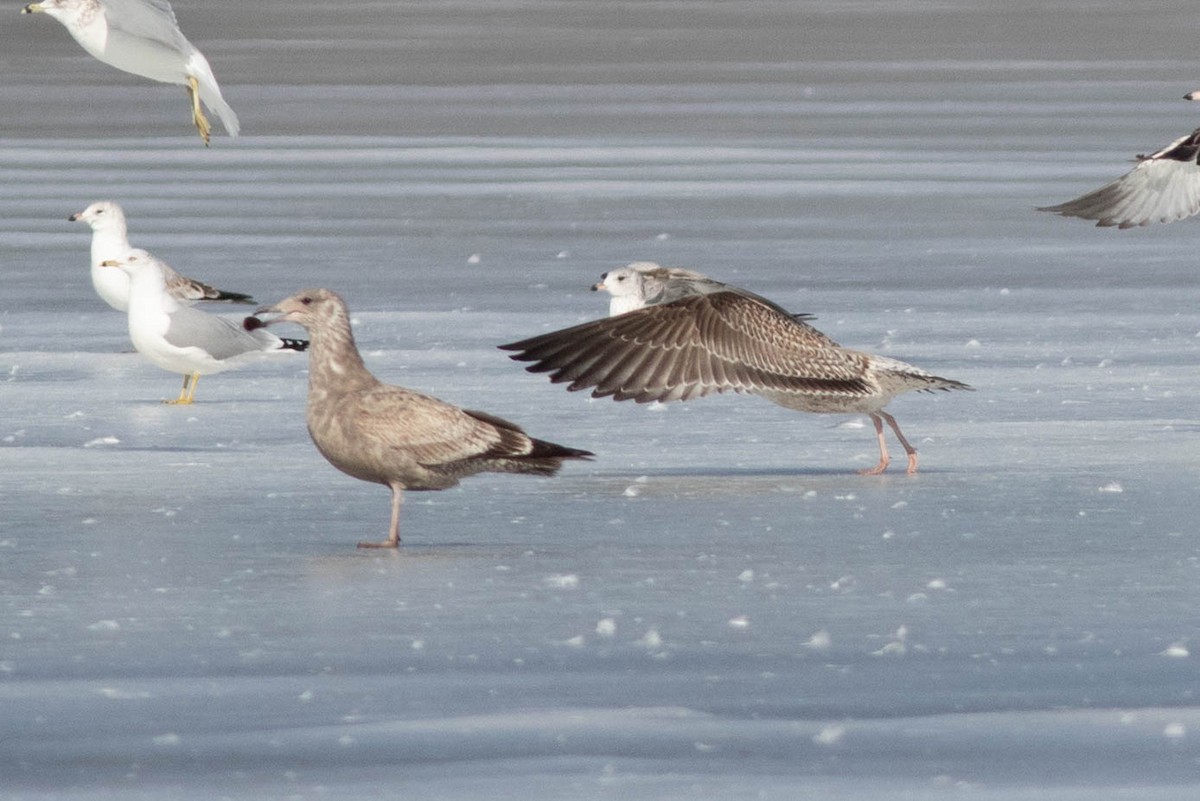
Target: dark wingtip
point(234, 297)
point(299, 345)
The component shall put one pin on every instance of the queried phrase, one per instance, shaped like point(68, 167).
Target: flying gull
point(727, 339)
point(110, 241)
point(181, 339)
point(1163, 187)
point(143, 37)
point(391, 435)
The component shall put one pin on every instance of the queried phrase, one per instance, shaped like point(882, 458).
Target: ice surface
point(730, 614)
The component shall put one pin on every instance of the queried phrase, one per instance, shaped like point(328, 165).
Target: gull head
point(61, 10)
point(314, 309)
point(623, 282)
point(103, 215)
point(134, 262)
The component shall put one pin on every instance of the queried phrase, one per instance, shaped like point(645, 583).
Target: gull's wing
point(217, 336)
point(430, 431)
point(694, 346)
point(1163, 187)
point(151, 19)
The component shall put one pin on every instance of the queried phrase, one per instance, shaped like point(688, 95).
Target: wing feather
point(711, 342)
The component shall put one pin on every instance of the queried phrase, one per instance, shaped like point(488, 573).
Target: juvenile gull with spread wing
point(181, 339)
point(143, 37)
point(110, 241)
point(390, 435)
point(722, 339)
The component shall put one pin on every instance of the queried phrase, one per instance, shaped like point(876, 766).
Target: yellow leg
point(198, 118)
point(188, 393)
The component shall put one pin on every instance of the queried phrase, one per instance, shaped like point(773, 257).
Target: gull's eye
point(307, 301)
point(620, 278)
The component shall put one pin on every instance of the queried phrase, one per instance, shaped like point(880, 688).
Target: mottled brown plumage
point(722, 340)
point(391, 435)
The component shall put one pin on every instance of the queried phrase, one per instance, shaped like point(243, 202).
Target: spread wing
point(697, 345)
point(1163, 187)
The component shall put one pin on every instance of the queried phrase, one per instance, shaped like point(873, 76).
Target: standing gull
point(110, 241)
point(727, 339)
point(1163, 187)
point(142, 37)
point(391, 435)
point(182, 339)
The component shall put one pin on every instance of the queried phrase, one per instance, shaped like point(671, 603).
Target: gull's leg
point(192, 391)
point(188, 393)
point(909, 449)
point(883, 454)
point(183, 393)
point(198, 118)
point(393, 540)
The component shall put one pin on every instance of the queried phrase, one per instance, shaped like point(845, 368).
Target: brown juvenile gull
point(1163, 187)
point(110, 241)
point(391, 435)
point(727, 339)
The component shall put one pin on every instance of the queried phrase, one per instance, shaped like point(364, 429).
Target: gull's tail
point(210, 93)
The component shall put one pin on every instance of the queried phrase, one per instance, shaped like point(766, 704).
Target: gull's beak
point(253, 322)
point(110, 263)
point(32, 8)
point(74, 217)
point(596, 287)
point(1192, 95)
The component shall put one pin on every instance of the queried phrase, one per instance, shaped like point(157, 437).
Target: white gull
point(110, 241)
point(182, 339)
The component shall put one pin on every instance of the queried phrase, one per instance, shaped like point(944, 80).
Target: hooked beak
point(110, 263)
point(75, 217)
point(1192, 95)
point(32, 8)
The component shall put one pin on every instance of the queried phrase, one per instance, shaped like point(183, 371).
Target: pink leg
point(393, 540)
point(883, 454)
point(909, 449)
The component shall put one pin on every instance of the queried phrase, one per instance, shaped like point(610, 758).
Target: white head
point(103, 215)
point(627, 285)
point(65, 11)
point(137, 263)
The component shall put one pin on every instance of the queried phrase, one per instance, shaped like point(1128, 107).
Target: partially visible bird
point(110, 240)
point(1162, 188)
point(646, 283)
point(181, 339)
point(390, 435)
point(727, 339)
point(143, 37)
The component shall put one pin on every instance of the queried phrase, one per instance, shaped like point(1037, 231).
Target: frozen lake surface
point(718, 607)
